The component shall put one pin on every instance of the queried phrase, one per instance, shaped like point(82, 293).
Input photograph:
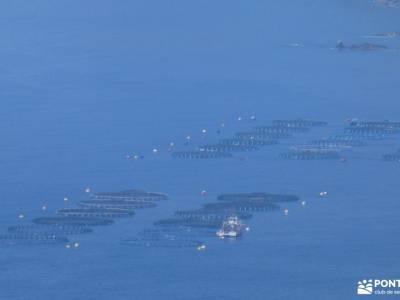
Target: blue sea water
point(83, 83)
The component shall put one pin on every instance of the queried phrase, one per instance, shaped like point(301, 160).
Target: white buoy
point(67, 246)
point(247, 228)
point(303, 203)
point(204, 193)
point(253, 118)
point(286, 211)
point(188, 137)
point(136, 157)
point(204, 131)
point(155, 151)
point(202, 248)
point(323, 194)
point(239, 119)
point(76, 245)
point(44, 207)
point(65, 199)
point(172, 144)
point(21, 216)
point(87, 190)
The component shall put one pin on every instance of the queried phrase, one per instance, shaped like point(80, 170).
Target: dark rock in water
point(227, 148)
point(280, 129)
point(258, 196)
point(49, 230)
point(13, 239)
point(129, 195)
point(76, 221)
point(299, 123)
point(247, 142)
point(200, 154)
point(317, 154)
point(95, 212)
point(364, 46)
point(252, 135)
point(117, 204)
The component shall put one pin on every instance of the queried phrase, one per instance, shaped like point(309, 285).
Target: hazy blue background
point(83, 83)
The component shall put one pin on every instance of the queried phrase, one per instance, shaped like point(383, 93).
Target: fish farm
point(359, 137)
point(381, 124)
point(201, 154)
point(392, 157)
point(117, 204)
point(276, 129)
point(165, 237)
point(129, 195)
point(95, 212)
point(189, 222)
point(76, 221)
point(262, 136)
point(227, 148)
point(99, 210)
point(205, 214)
point(247, 142)
point(332, 143)
point(316, 154)
point(371, 130)
point(187, 228)
point(258, 196)
point(32, 229)
point(299, 123)
point(12, 239)
point(363, 46)
point(243, 206)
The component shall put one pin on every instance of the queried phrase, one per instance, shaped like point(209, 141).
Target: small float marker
point(67, 246)
point(323, 194)
point(253, 118)
point(44, 207)
point(239, 119)
point(21, 216)
point(303, 203)
point(65, 199)
point(202, 248)
point(222, 124)
point(76, 245)
point(204, 131)
point(188, 137)
point(155, 151)
point(286, 211)
point(171, 144)
point(87, 190)
point(204, 193)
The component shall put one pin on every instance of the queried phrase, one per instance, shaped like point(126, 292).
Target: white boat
point(232, 227)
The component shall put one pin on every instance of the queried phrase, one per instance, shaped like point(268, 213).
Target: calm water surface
point(83, 83)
